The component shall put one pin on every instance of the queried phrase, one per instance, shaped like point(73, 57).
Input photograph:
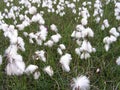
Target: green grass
point(107, 79)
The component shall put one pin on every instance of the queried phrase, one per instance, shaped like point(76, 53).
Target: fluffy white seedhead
point(80, 27)
point(65, 61)
point(15, 65)
point(31, 69)
point(109, 40)
point(106, 23)
point(38, 18)
point(0, 59)
point(118, 61)
point(48, 70)
point(90, 32)
point(114, 32)
point(80, 83)
point(20, 43)
point(40, 55)
point(36, 75)
point(77, 51)
point(59, 51)
point(49, 43)
point(25, 34)
point(79, 42)
point(53, 27)
point(32, 10)
point(20, 26)
point(73, 34)
point(56, 38)
point(85, 55)
point(62, 46)
point(84, 21)
point(86, 46)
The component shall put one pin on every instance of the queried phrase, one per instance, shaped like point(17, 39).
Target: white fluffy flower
point(40, 55)
point(118, 61)
point(65, 61)
point(56, 37)
point(20, 26)
point(31, 69)
point(49, 43)
point(53, 27)
point(36, 75)
point(48, 70)
point(77, 51)
point(119, 28)
point(25, 34)
point(15, 65)
point(59, 51)
point(85, 55)
point(62, 46)
point(106, 24)
point(84, 21)
point(32, 10)
point(114, 32)
point(80, 83)
point(20, 43)
point(0, 59)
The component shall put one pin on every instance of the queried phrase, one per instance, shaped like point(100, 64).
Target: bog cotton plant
point(65, 62)
point(81, 34)
point(31, 69)
point(80, 83)
point(108, 40)
point(48, 70)
point(27, 12)
point(40, 55)
point(118, 61)
point(105, 24)
point(1, 59)
point(117, 10)
point(98, 11)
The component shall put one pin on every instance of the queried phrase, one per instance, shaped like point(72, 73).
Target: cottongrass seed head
point(80, 83)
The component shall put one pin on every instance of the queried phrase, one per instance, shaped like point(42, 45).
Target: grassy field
point(107, 79)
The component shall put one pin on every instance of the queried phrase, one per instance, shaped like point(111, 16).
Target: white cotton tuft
point(119, 28)
point(118, 61)
point(20, 26)
point(48, 70)
point(65, 61)
point(79, 42)
point(62, 46)
point(53, 27)
point(84, 21)
point(15, 67)
point(73, 34)
point(106, 24)
point(36, 75)
point(59, 51)
point(20, 43)
point(32, 10)
point(25, 34)
point(80, 83)
point(56, 38)
point(77, 51)
point(114, 32)
point(49, 43)
point(85, 55)
point(107, 46)
point(31, 69)
point(0, 59)
point(41, 55)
